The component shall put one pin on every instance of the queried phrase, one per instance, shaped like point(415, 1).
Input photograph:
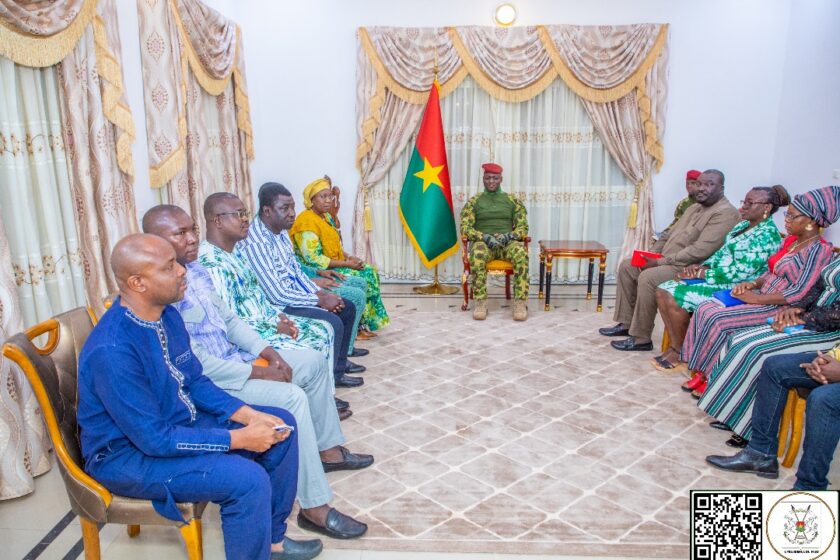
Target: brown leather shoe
point(344, 414)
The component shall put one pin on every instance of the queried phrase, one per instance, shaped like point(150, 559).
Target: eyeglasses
point(789, 216)
point(748, 203)
point(243, 214)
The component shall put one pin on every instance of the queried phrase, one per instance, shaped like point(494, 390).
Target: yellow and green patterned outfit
point(237, 285)
point(743, 257)
point(496, 224)
point(310, 248)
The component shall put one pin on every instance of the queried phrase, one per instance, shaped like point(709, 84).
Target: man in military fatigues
point(496, 223)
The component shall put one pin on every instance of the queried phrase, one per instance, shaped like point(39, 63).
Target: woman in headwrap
point(318, 244)
point(804, 255)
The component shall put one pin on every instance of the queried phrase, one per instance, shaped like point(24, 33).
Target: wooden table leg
point(589, 279)
point(547, 283)
point(542, 273)
point(602, 269)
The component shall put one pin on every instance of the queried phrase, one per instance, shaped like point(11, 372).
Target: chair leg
point(466, 289)
point(507, 286)
point(132, 530)
point(90, 538)
point(666, 341)
point(191, 532)
point(797, 425)
point(784, 425)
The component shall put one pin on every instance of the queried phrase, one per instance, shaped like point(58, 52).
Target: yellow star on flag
point(430, 174)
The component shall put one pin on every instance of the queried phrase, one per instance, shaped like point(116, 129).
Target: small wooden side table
point(563, 249)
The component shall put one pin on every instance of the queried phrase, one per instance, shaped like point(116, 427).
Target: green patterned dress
point(742, 257)
point(237, 285)
point(309, 250)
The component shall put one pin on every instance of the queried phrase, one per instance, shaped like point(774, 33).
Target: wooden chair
point(51, 371)
point(792, 424)
point(494, 267)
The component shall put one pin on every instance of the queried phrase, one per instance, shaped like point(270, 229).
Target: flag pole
point(435, 288)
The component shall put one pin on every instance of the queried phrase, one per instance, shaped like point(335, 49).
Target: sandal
point(664, 365)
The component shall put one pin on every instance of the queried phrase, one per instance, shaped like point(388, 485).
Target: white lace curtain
point(36, 199)
point(553, 161)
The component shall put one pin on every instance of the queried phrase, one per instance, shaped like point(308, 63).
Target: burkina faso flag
point(426, 199)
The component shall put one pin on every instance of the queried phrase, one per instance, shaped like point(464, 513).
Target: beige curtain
point(601, 64)
point(39, 250)
point(197, 112)
point(95, 133)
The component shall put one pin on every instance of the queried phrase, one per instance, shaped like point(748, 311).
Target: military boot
point(520, 310)
point(480, 311)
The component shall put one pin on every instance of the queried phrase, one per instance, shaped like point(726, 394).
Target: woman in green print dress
point(743, 257)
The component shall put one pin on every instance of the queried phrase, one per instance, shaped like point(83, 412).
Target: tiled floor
point(556, 448)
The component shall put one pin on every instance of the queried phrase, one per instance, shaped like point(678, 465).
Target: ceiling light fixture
point(505, 14)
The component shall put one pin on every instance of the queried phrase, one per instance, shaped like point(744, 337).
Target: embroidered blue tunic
point(140, 383)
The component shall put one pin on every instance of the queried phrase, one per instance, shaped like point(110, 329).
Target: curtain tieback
point(633, 215)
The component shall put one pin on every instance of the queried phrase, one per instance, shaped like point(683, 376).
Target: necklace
point(799, 242)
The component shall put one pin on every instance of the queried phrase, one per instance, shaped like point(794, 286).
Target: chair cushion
point(132, 511)
point(500, 265)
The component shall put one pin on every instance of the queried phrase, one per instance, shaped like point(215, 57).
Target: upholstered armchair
point(494, 267)
point(51, 371)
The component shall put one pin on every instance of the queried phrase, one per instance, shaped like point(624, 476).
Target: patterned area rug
point(529, 438)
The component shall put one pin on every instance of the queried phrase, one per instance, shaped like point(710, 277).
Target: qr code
point(726, 525)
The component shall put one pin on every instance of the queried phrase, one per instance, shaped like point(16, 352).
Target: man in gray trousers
point(696, 235)
point(298, 379)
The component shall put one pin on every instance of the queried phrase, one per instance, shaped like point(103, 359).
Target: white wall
point(807, 148)
point(726, 85)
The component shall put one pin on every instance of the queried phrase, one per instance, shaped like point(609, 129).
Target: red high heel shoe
point(698, 392)
point(694, 382)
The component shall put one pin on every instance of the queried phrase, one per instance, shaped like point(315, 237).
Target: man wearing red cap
point(690, 184)
point(496, 223)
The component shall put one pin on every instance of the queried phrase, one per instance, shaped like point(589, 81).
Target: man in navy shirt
point(154, 427)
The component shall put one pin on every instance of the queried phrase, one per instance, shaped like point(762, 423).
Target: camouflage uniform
point(512, 250)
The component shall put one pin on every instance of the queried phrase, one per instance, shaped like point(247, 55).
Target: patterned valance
point(178, 36)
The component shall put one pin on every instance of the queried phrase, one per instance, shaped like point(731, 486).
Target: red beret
point(692, 175)
point(492, 167)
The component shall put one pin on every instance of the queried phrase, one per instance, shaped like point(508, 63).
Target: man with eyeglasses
point(696, 235)
point(236, 283)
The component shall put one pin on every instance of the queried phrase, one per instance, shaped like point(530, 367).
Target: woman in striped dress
point(730, 395)
point(786, 283)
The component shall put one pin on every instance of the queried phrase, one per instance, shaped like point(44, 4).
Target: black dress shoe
point(358, 353)
point(749, 461)
point(720, 426)
point(347, 381)
point(341, 404)
point(349, 461)
point(344, 414)
point(354, 368)
point(737, 441)
point(339, 526)
point(617, 330)
point(629, 344)
point(298, 550)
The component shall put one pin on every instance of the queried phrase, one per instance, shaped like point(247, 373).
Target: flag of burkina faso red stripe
point(426, 199)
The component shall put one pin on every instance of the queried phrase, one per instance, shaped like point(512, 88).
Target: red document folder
point(638, 260)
